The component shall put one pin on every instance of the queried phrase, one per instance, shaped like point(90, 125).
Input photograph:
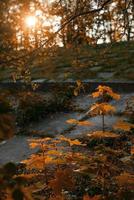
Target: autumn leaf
point(79, 83)
point(70, 141)
point(33, 145)
point(101, 109)
point(87, 197)
point(123, 125)
point(54, 152)
point(78, 88)
point(85, 123)
point(132, 150)
point(101, 134)
point(102, 90)
point(72, 121)
point(74, 142)
point(63, 180)
point(38, 161)
point(80, 123)
point(76, 92)
point(125, 179)
point(95, 94)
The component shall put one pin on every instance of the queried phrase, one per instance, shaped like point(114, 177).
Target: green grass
point(117, 58)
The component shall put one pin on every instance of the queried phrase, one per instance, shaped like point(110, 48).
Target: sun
point(30, 21)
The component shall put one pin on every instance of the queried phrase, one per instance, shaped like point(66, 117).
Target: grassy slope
point(104, 62)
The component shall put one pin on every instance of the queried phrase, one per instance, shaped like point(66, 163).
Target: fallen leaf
point(101, 134)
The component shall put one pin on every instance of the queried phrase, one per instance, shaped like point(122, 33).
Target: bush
point(5, 106)
point(34, 106)
point(7, 121)
point(31, 107)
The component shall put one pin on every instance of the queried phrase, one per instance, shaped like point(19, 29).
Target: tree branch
point(33, 53)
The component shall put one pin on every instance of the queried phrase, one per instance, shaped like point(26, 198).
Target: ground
point(17, 148)
point(103, 62)
point(97, 166)
point(100, 162)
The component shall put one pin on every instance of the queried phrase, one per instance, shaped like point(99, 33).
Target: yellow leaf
point(53, 152)
point(80, 123)
point(85, 123)
point(95, 94)
point(70, 141)
point(76, 92)
point(74, 142)
point(72, 121)
point(101, 109)
point(101, 90)
point(123, 125)
point(101, 134)
point(79, 83)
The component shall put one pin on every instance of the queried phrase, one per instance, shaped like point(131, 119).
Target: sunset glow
point(30, 21)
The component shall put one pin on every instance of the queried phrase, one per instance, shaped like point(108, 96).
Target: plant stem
point(103, 123)
point(45, 170)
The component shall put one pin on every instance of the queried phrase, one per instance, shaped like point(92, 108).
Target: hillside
point(103, 62)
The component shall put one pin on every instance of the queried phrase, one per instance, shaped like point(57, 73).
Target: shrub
point(34, 106)
point(6, 119)
point(5, 106)
point(31, 107)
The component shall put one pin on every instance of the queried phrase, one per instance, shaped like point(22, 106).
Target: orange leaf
point(85, 123)
point(101, 134)
point(71, 121)
point(132, 150)
point(87, 197)
point(80, 123)
point(101, 90)
point(101, 109)
point(123, 125)
point(125, 179)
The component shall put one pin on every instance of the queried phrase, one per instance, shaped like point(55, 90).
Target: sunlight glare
point(30, 21)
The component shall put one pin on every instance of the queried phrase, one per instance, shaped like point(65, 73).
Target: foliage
point(101, 134)
point(12, 187)
point(103, 91)
point(31, 107)
point(5, 106)
point(63, 181)
point(103, 108)
point(123, 125)
point(34, 106)
point(87, 197)
point(80, 23)
point(53, 152)
point(80, 123)
point(68, 169)
point(79, 88)
point(61, 99)
point(7, 120)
